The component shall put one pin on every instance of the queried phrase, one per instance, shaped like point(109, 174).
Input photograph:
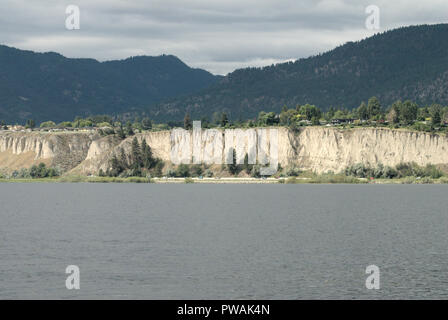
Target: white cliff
point(318, 149)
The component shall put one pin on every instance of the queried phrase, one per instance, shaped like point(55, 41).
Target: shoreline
point(226, 180)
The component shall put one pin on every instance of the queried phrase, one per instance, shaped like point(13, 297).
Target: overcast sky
point(217, 35)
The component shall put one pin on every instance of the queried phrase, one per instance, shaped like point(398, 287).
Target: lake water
point(196, 241)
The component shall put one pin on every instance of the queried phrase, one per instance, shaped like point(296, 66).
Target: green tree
point(147, 158)
point(158, 168)
point(30, 123)
point(362, 112)
point(100, 125)
point(216, 118)
point(340, 114)
point(330, 113)
point(65, 124)
point(48, 124)
point(255, 171)
point(267, 118)
point(187, 122)
point(246, 166)
point(197, 170)
point(310, 111)
point(52, 172)
point(42, 170)
point(261, 118)
point(205, 123)
point(129, 130)
point(34, 171)
point(408, 112)
point(233, 167)
point(85, 123)
point(224, 119)
point(423, 113)
point(123, 161)
point(146, 123)
point(436, 114)
point(39, 171)
point(137, 126)
point(120, 132)
point(373, 107)
point(116, 168)
point(394, 113)
point(445, 115)
point(136, 154)
point(183, 171)
point(315, 121)
point(284, 118)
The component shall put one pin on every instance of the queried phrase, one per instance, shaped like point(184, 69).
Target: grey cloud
point(216, 35)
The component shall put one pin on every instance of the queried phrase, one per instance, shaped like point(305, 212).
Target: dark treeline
point(371, 113)
point(399, 114)
point(99, 121)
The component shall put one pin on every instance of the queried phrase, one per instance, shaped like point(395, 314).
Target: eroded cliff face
point(318, 149)
point(322, 149)
point(23, 149)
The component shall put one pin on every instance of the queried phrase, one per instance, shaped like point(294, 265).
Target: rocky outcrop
point(318, 149)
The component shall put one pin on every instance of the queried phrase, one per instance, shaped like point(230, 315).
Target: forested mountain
point(405, 63)
point(49, 86)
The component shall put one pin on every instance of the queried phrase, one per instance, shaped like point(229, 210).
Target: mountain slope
point(405, 63)
point(48, 86)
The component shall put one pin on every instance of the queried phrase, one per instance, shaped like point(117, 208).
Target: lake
point(198, 241)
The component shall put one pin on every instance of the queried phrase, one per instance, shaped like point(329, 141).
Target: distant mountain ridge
point(405, 63)
point(49, 86)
